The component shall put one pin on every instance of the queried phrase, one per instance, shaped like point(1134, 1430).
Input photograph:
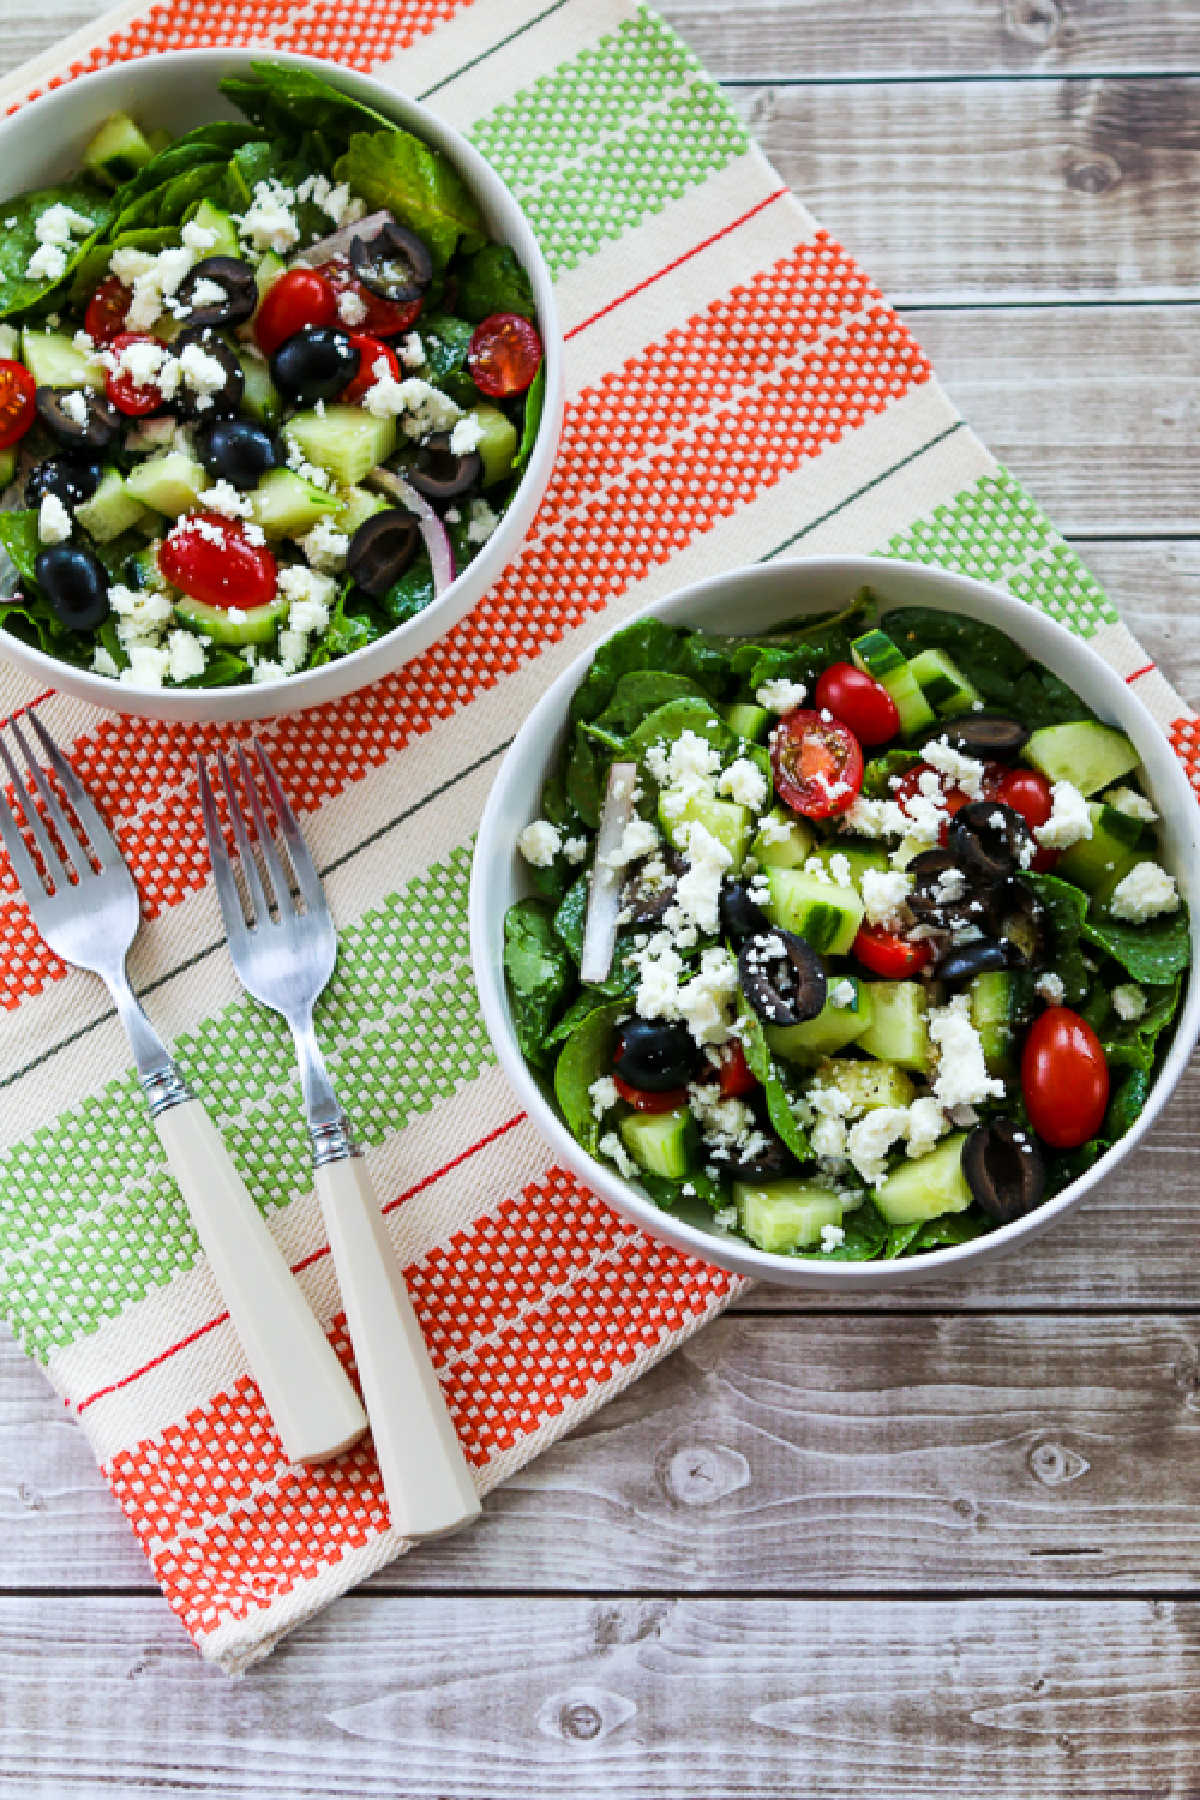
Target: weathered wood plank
point(997, 190)
point(614, 1700)
point(920, 1453)
point(1155, 587)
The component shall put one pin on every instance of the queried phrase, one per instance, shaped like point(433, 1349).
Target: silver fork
point(91, 921)
point(285, 955)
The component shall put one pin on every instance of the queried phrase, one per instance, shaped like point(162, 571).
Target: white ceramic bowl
point(755, 599)
point(178, 90)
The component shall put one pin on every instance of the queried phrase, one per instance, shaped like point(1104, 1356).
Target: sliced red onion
point(434, 533)
point(338, 243)
point(604, 900)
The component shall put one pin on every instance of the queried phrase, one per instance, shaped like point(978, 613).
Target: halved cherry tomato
point(888, 954)
point(135, 399)
point(381, 318)
point(735, 1075)
point(299, 298)
point(212, 559)
point(908, 786)
point(370, 352)
point(107, 309)
point(1028, 793)
point(818, 764)
point(859, 701)
point(1064, 1078)
point(18, 407)
point(504, 355)
point(647, 1102)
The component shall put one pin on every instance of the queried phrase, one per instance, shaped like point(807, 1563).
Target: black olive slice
point(381, 549)
point(962, 962)
point(195, 403)
point(646, 901)
point(99, 426)
point(1021, 921)
point(71, 479)
point(989, 840)
point(741, 917)
point(656, 1055)
point(441, 475)
point(395, 263)
point(782, 977)
point(315, 363)
point(75, 583)
point(985, 735)
point(1004, 1170)
point(236, 280)
point(768, 1162)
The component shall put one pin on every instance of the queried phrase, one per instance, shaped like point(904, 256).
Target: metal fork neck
point(161, 1081)
point(328, 1127)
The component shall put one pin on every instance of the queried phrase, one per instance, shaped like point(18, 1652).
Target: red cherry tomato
point(1028, 793)
point(735, 1075)
point(818, 764)
point(1064, 1078)
point(18, 407)
point(859, 701)
point(370, 352)
point(128, 396)
point(213, 560)
point(908, 786)
point(647, 1102)
point(299, 298)
point(886, 953)
point(504, 355)
point(106, 310)
point(381, 318)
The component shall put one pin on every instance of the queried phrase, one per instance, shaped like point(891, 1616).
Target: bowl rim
point(548, 718)
point(374, 660)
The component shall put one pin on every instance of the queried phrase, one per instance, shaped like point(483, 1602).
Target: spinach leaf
point(19, 537)
point(779, 1086)
point(583, 1004)
point(985, 655)
point(1040, 698)
point(646, 644)
point(899, 1237)
point(353, 623)
point(640, 693)
point(224, 668)
point(1066, 909)
point(412, 593)
point(1126, 1104)
point(19, 240)
point(950, 1228)
point(666, 723)
point(447, 340)
point(493, 281)
point(866, 1236)
point(421, 187)
point(283, 101)
point(571, 917)
point(538, 973)
point(670, 1194)
point(1131, 1043)
point(1153, 953)
point(535, 400)
point(878, 773)
point(584, 779)
point(586, 1055)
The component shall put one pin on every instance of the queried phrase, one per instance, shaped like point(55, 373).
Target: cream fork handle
point(306, 1390)
point(429, 1488)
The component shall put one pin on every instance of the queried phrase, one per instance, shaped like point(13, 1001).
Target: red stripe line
point(19, 713)
point(1138, 673)
point(666, 270)
point(305, 1262)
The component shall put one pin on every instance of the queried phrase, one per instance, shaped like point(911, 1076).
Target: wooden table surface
point(944, 1542)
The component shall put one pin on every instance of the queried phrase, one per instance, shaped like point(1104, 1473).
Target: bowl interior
point(756, 599)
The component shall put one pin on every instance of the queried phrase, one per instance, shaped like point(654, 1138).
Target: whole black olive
point(942, 893)
point(239, 291)
point(381, 549)
point(1020, 920)
point(75, 583)
point(239, 451)
point(315, 363)
point(441, 475)
point(962, 962)
point(71, 479)
point(740, 916)
point(656, 1055)
point(985, 735)
point(1004, 1170)
point(57, 407)
point(989, 840)
point(646, 901)
point(193, 401)
point(768, 1162)
point(395, 263)
point(782, 977)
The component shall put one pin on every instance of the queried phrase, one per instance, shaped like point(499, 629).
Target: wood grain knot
point(1055, 1464)
point(1095, 173)
point(585, 1715)
point(701, 1474)
point(1033, 21)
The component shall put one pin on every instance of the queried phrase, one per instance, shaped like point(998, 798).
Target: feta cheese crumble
point(744, 782)
point(1069, 823)
point(1050, 988)
point(1145, 893)
point(780, 695)
point(832, 1238)
point(884, 892)
point(54, 521)
point(539, 843)
point(1127, 800)
point(1129, 1001)
point(962, 1077)
point(603, 1095)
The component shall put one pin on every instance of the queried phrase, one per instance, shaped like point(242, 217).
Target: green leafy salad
point(856, 934)
point(265, 389)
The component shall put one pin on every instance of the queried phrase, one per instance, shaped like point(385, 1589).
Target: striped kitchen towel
point(737, 390)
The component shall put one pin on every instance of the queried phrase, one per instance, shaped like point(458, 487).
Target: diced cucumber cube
point(926, 1187)
point(111, 510)
point(787, 842)
point(498, 445)
point(1089, 755)
point(660, 1143)
point(286, 505)
point(1090, 862)
point(214, 218)
point(728, 822)
point(171, 483)
point(260, 396)
point(783, 1216)
point(944, 685)
point(346, 441)
point(825, 916)
point(869, 1084)
point(877, 655)
point(747, 720)
point(233, 625)
point(53, 361)
point(898, 1031)
point(992, 998)
point(833, 1028)
point(117, 151)
point(355, 507)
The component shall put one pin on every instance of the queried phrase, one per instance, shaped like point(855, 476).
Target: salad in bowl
point(857, 934)
point(266, 388)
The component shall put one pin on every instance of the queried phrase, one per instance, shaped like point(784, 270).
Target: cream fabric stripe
point(484, 53)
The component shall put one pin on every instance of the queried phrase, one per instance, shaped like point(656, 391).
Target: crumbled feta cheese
point(705, 1003)
point(611, 1146)
point(186, 654)
point(423, 407)
point(10, 343)
point(698, 889)
point(48, 263)
point(1129, 1001)
point(828, 1138)
point(466, 436)
point(874, 818)
point(325, 546)
point(961, 771)
point(482, 522)
point(305, 588)
point(60, 223)
point(726, 1218)
point(199, 370)
point(153, 280)
point(412, 351)
point(781, 695)
point(268, 223)
point(266, 669)
point(832, 1238)
point(199, 237)
point(575, 849)
point(1145, 892)
point(206, 293)
point(962, 1078)
point(224, 498)
point(352, 308)
point(54, 521)
point(147, 666)
point(842, 993)
point(293, 648)
point(1127, 800)
point(1049, 987)
point(539, 843)
point(1069, 823)
point(745, 783)
point(307, 471)
point(868, 1141)
point(604, 1095)
point(659, 969)
point(926, 1124)
point(884, 892)
point(103, 663)
point(639, 838)
point(725, 1125)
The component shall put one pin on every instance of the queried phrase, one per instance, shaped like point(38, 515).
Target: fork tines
point(84, 844)
point(268, 888)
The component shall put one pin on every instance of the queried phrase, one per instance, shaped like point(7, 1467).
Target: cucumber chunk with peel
point(117, 151)
point(826, 916)
point(111, 510)
point(53, 361)
point(286, 505)
point(876, 654)
point(944, 685)
point(783, 1216)
point(346, 441)
point(1089, 755)
point(171, 483)
point(234, 625)
point(926, 1187)
point(898, 1031)
point(787, 842)
point(833, 1028)
point(660, 1143)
